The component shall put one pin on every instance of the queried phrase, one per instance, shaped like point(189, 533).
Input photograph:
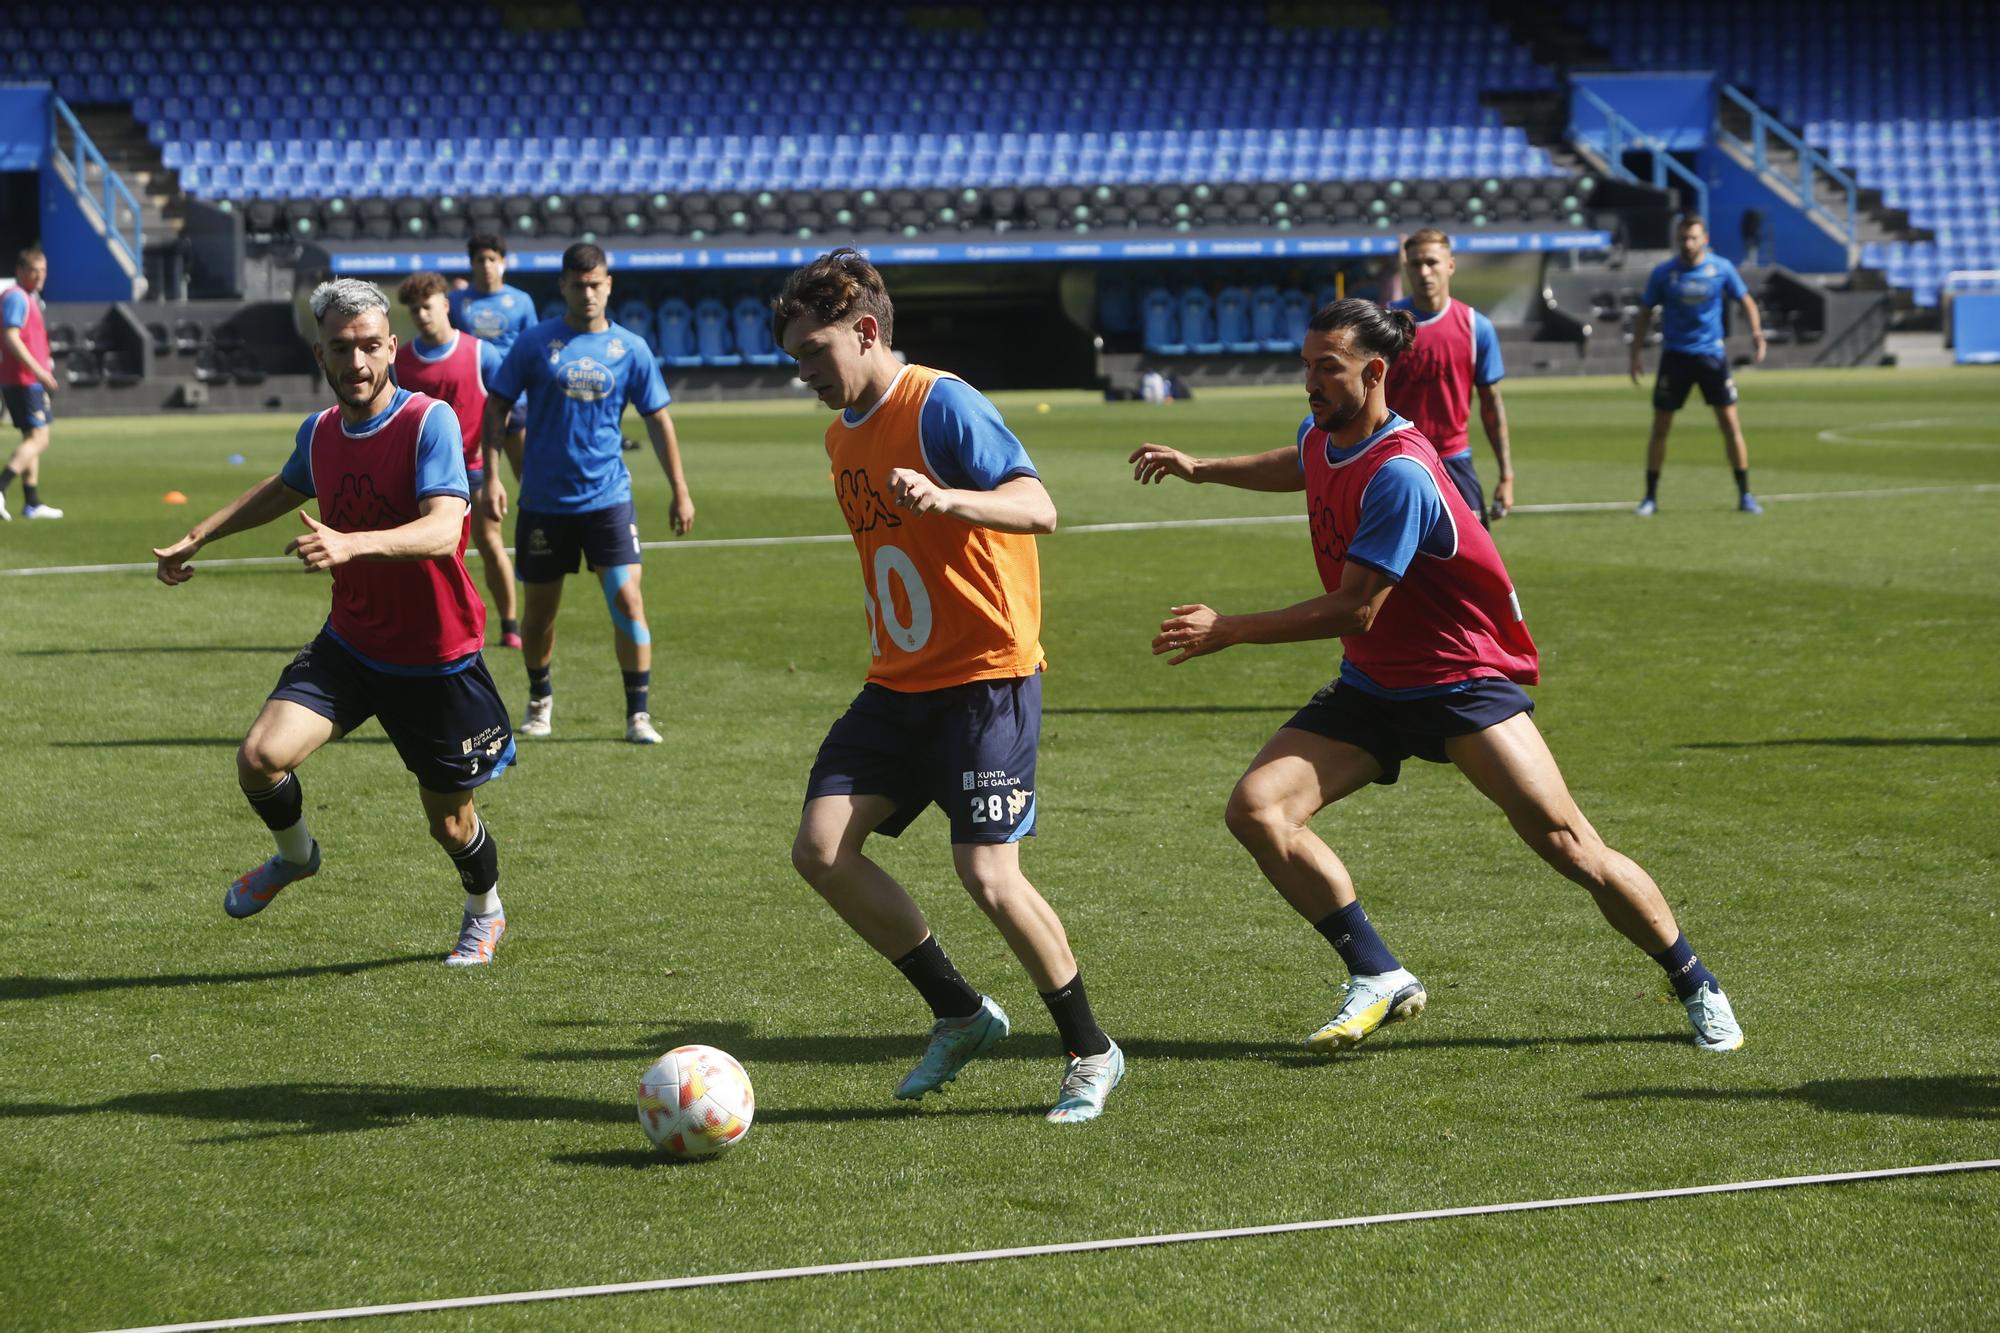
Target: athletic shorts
point(547, 546)
point(1466, 477)
point(28, 405)
point(969, 748)
point(1681, 371)
point(517, 416)
point(1392, 730)
point(475, 481)
point(452, 731)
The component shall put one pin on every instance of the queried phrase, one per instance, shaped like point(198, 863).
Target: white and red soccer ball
point(696, 1101)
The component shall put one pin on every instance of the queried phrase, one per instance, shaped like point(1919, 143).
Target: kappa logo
point(489, 742)
point(358, 507)
point(862, 503)
point(1326, 535)
point(1017, 801)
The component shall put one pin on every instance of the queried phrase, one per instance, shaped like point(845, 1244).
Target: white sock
point(483, 904)
point(294, 843)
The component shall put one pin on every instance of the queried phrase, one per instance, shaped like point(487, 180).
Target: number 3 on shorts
point(882, 602)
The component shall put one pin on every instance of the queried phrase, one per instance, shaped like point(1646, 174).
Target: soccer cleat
point(1647, 507)
point(1372, 1002)
point(639, 729)
point(953, 1042)
point(253, 890)
point(1746, 503)
point(536, 723)
point(5, 515)
point(1086, 1083)
point(510, 641)
point(478, 937)
point(41, 511)
point(1715, 1025)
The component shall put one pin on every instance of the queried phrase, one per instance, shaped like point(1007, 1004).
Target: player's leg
point(547, 552)
point(1465, 476)
point(26, 463)
point(286, 732)
point(827, 854)
point(515, 441)
point(633, 643)
point(1731, 425)
point(491, 542)
point(457, 827)
point(1511, 766)
point(1656, 459)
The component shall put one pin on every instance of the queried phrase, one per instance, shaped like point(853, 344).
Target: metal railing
point(1763, 127)
point(1620, 134)
point(98, 186)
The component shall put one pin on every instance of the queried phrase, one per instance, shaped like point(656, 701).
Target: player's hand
point(914, 491)
point(1503, 498)
point(1637, 365)
point(683, 515)
point(53, 383)
point(1757, 356)
point(493, 497)
point(1156, 462)
point(1192, 631)
point(321, 547)
point(174, 568)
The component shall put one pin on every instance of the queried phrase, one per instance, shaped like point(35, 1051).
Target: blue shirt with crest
point(578, 385)
point(1690, 298)
point(496, 317)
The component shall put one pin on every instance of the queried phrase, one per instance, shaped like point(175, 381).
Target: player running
point(579, 372)
point(493, 311)
point(402, 643)
point(453, 367)
point(944, 504)
point(1690, 289)
point(1434, 654)
point(27, 378)
point(1455, 354)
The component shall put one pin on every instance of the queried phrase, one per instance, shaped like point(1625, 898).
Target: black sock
point(1684, 970)
point(281, 806)
point(478, 862)
point(1070, 1008)
point(637, 684)
point(1353, 937)
point(1652, 485)
point(509, 626)
point(7, 476)
point(946, 992)
point(1742, 480)
point(31, 493)
point(538, 683)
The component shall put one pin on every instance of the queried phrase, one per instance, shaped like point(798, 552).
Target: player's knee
point(1575, 853)
point(258, 762)
point(1252, 822)
point(453, 829)
point(815, 860)
point(995, 891)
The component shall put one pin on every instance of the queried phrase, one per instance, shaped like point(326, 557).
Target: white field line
point(816, 539)
point(1071, 1247)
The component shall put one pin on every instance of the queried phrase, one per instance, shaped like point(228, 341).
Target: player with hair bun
point(1434, 652)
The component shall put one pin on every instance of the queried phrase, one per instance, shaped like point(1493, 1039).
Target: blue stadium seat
point(1296, 313)
point(673, 327)
point(752, 319)
point(1232, 322)
point(713, 336)
point(637, 316)
point(1198, 322)
point(1162, 323)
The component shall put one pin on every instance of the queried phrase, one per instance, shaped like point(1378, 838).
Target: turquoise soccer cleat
point(1372, 1002)
point(253, 890)
point(1086, 1083)
point(953, 1042)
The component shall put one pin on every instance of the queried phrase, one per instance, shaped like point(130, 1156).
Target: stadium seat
point(713, 335)
point(673, 328)
point(752, 320)
point(1198, 322)
point(1232, 322)
point(637, 316)
point(1162, 324)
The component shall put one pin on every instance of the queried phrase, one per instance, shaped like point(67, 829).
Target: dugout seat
point(1161, 323)
point(1198, 322)
point(752, 319)
point(712, 334)
point(673, 328)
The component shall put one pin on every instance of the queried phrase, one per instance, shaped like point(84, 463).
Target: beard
point(1338, 418)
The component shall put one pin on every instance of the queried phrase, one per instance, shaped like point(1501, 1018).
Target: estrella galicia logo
point(585, 381)
point(1326, 535)
point(862, 503)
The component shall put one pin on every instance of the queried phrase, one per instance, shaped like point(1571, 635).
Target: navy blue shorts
point(1681, 371)
point(970, 748)
point(452, 731)
point(28, 405)
point(517, 417)
point(1466, 477)
point(475, 481)
point(1392, 730)
point(546, 546)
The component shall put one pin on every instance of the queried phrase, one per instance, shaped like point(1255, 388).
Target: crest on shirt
point(615, 349)
point(555, 351)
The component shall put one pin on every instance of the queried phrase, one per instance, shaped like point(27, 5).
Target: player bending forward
point(402, 642)
point(952, 708)
point(1434, 654)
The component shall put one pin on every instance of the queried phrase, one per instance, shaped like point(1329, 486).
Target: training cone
point(173, 498)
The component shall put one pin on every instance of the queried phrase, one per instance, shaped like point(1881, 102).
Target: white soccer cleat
point(639, 729)
point(1087, 1081)
point(1371, 1002)
point(537, 722)
point(1715, 1025)
point(41, 511)
point(5, 515)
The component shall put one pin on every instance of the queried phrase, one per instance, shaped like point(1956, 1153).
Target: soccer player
point(402, 643)
point(453, 368)
point(1433, 656)
point(27, 378)
point(493, 311)
point(1690, 289)
point(1455, 354)
point(943, 504)
point(580, 371)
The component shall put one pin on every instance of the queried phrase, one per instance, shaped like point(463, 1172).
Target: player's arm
point(433, 533)
point(18, 346)
point(1197, 630)
point(667, 448)
point(261, 504)
point(1018, 504)
point(1277, 470)
point(1493, 417)
point(1756, 319)
point(1641, 326)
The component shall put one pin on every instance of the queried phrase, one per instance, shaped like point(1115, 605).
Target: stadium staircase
point(133, 156)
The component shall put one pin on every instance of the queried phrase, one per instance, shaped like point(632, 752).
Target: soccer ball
point(695, 1101)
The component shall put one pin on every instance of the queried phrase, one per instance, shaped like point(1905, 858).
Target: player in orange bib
point(944, 505)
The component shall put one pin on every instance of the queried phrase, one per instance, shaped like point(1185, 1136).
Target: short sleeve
point(1732, 282)
point(644, 388)
point(490, 358)
point(297, 472)
point(966, 444)
point(1398, 511)
point(14, 308)
point(441, 455)
point(1305, 429)
point(454, 306)
point(510, 377)
point(1656, 288)
point(1487, 367)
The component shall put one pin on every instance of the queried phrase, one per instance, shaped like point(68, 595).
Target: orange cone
point(173, 498)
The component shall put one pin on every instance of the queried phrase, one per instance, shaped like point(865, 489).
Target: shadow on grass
point(1936, 1096)
point(1855, 742)
point(47, 988)
point(231, 742)
point(150, 649)
point(860, 1049)
point(1525, 1043)
point(1149, 710)
point(306, 1109)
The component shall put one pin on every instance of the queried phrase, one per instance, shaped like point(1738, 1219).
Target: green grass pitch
point(1790, 720)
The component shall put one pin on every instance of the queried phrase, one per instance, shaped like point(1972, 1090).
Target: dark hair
point(1690, 220)
point(29, 254)
point(419, 288)
point(832, 288)
point(485, 240)
point(583, 257)
point(1377, 331)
